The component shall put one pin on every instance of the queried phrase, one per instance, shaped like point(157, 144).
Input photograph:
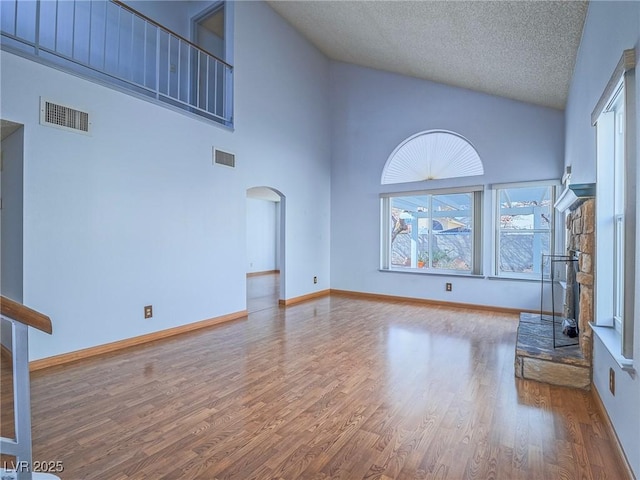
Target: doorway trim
point(228, 7)
point(274, 195)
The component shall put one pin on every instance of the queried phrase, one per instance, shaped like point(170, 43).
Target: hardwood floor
point(332, 388)
point(263, 291)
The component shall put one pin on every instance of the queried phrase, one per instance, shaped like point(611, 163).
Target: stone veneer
point(536, 358)
point(581, 238)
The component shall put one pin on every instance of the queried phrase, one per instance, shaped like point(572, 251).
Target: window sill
point(425, 271)
point(611, 339)
point(511, 279)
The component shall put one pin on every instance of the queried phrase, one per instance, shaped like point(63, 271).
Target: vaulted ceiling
point(524, 50)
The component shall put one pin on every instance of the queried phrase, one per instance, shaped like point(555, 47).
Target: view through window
point(431, 231)
point(525, 230)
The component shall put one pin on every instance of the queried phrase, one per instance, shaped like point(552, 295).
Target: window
point(617, 111)
point(616, 201)
point(437, 231)
point(524, 229)
point(434, 154)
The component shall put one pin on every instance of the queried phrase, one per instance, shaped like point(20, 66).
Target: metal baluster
point(178, 69)
point(21, 387)
point(118, 49)
point(73, 31)
point(144, 55)
point(37, 45)
point(55, 31)
point(215, 88)
point(157, 62)
point(15, 18)
point(90, 32)
point(168, 65)
point(189, 76)
point(206, 86)
point(228, 109)
point(133, 26)
point(104, 43)
point(198, 82)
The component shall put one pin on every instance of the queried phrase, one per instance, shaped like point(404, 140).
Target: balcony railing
point(112, 43)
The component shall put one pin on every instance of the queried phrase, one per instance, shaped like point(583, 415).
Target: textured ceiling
point(524, 50)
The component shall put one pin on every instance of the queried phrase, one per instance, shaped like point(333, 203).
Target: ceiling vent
point(66, 118)
point(224, 158)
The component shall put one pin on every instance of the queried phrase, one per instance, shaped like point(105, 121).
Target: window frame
point(615, 280)
point(227, 7)
point(616, 106)
point(477, 199)
point(555, 243)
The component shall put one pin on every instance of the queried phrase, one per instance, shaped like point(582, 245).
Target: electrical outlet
point(612, 382)
point(448, 287)
point(148, 311)
point(315, 279)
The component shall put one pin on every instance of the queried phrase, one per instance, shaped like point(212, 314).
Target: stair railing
point(17, 343)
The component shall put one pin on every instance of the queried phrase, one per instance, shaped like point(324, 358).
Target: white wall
point(261, 235)
point(610, 28)
point(373, 112)
point(12, 214)
point(136, 213)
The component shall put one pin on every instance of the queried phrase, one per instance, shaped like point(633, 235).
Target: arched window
point(431, 155)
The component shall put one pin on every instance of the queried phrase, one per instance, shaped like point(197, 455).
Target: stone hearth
point(536, 358)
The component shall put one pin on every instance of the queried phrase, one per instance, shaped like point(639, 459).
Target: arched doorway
point(265, 265)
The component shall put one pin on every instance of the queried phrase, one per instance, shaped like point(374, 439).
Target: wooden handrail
point(16, 311)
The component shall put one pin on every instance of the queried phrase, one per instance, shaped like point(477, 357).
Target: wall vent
point(224, 158)
point(66, 118)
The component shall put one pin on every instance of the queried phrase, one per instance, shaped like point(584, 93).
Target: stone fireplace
point(536, 357)
point(581, 242)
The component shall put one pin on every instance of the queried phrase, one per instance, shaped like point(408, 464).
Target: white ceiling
point(524, 50)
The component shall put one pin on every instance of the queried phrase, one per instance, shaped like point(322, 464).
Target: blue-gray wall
point(372, 113)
